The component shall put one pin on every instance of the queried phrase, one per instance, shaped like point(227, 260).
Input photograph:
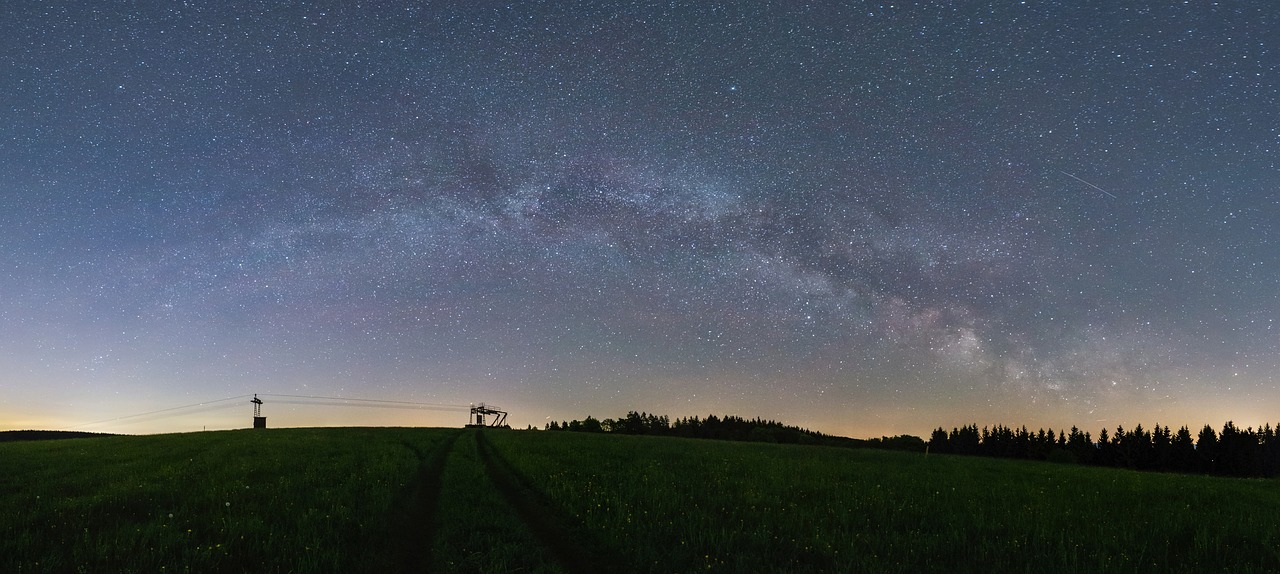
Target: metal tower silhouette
point(259, 421)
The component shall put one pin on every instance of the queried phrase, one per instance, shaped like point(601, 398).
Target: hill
point(451, 500)
point(17, 435)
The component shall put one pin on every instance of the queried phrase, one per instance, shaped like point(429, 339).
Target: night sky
point(862, 219)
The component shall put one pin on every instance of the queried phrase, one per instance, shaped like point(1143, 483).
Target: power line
point(171, 409)
point(182, 413)
point(308, 400)
point(440, 406)
point(368, 405)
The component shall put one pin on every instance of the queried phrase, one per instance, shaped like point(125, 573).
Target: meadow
point(453, 500)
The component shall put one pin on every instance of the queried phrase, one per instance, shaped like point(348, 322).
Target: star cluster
point(861, 218)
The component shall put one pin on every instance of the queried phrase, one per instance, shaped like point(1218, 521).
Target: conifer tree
point(1207, 448)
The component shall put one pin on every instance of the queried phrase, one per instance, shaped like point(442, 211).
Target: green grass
point(683, 505)
point(477, 529)
point(378, 500)
point(265, 501)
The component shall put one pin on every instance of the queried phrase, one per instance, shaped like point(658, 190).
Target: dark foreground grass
point(445, 500)
point(676, 505)
point(478, 530)
point(291, 500)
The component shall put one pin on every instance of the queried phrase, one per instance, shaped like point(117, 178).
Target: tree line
point(26, 435)
point(728, 427)
point(1231, 452)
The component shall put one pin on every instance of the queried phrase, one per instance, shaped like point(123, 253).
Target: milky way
point(859, 218)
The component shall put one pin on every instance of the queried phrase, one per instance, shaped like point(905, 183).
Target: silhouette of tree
point(1138, 447)
point(1079, 446)
point(1161, 449)
point(964, 440)
point(1207, 448)
point(1022, 443)
point(1237, 451)
point(1039, 446)
point(939, 442)
point(633, 424)
point(898, 442)
point(1007, 442)
point(1269, 450)
point(1182, 455)
point(1106, 450)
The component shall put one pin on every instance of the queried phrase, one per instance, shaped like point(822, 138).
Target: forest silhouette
point(1231, 452)
point(729, 427)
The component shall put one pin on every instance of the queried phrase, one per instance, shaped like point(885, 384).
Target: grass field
point(448, 500)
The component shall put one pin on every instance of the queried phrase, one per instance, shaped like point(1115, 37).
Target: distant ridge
point(19, 435)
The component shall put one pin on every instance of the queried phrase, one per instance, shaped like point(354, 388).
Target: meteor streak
point(1072, 176)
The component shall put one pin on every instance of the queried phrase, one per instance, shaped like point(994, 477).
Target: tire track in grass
point(476, 528)
point(568, 540)
point(413, 518)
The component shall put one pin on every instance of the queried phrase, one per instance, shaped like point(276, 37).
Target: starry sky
point(860, 218)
